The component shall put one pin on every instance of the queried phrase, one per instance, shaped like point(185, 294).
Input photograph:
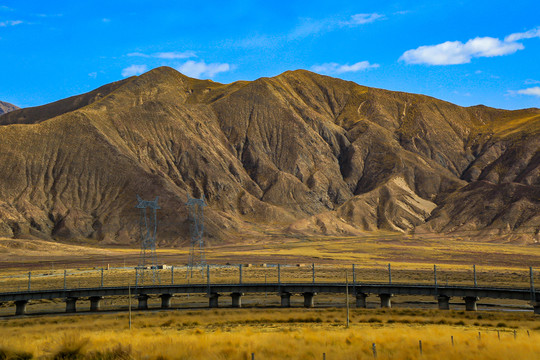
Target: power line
point(148, 231)
point(197, 257)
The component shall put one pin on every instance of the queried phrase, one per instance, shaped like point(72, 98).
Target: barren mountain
point(298, 153)
point(6, 107)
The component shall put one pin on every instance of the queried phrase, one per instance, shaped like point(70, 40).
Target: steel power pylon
point(197, 256)
point(148, 231)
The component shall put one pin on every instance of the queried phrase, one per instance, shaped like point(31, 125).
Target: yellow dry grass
point(370, 251)
point(411, 258)
point(278, 334)
point(517, 124)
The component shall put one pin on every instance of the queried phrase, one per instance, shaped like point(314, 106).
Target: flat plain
point(191, 331)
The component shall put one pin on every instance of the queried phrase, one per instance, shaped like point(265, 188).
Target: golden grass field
point(411, 259)
point(192, 332)
point(373, 250)
point(275, 334)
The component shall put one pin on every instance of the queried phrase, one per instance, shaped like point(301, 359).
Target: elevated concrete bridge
point(470, 295)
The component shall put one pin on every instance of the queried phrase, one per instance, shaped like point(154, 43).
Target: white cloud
point(10, 23)
point(171, 55)
point(139, 54)
point(93, 75)
point(6, 8)
point(106, 20)
point(531, 81)
point(201, 69)
point(360, 19)
point(534, 91)
point(456, 52)
point(335, 68)
point(305, 28)
point(310, 27)
point(134, 70)
point(488, 47)
point(533, 33)
point(48, 15)
point(175, 55)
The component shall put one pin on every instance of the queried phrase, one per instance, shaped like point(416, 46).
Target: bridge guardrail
point(12, 281)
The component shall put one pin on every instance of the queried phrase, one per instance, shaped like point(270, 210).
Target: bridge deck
point(385, 291)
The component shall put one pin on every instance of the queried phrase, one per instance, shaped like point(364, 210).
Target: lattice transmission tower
point(148, 231)
point(197, 258)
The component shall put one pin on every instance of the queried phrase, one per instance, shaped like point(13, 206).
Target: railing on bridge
point(452, 275)
point(284, 280)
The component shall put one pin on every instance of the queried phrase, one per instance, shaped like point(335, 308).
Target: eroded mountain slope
point(299, 152)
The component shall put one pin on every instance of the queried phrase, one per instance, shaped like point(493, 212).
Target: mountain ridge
point(299, 152)
point(37, 114)
point(7, 107)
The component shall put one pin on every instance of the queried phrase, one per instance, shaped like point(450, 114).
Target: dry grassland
point(369, 251)
point(275, 334)
point(412, 261)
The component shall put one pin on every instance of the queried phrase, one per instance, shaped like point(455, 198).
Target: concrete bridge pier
point(309, 299)
point(236, 299)
point(285, 299)
point(470, 303)
point(143, 302)
point(20, 307)
point(361, 301)
point(536, 307)
point(165, 301)
point(385, 300)
point(71, 304)
point(444, 302)
point(213, 300)
point(95, 303)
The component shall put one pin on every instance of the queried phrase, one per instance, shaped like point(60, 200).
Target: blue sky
point(465, 52)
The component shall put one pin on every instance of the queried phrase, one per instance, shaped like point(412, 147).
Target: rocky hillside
point(297, 153)
point(6, 107)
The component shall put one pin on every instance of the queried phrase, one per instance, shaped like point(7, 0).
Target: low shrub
point(118, 352)
point(9, 354)
point(71, 348)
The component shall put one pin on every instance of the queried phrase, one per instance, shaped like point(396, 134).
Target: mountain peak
point(162, 72)
point(7, 107)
